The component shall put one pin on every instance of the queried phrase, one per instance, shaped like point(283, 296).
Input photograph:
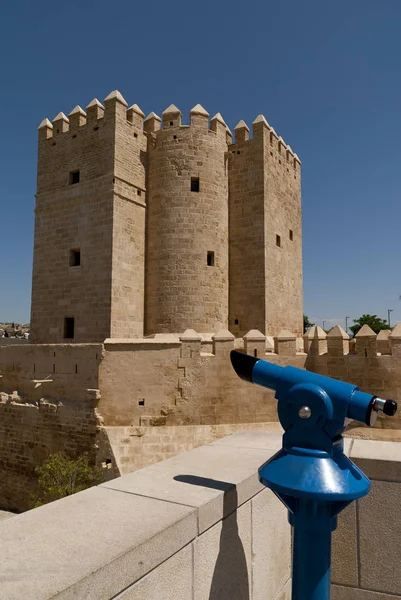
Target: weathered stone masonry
point(148, 226)
point(130, 403)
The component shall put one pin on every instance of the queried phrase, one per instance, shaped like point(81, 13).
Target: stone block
point(90, 545)
point(271, 546)
point(285, 593)
point(379, 517)
point(346, 593)
point(344, 548)
point(171, 580)
point(378, 460)
point(213, 479)
point(252, 439)
point(223, 559)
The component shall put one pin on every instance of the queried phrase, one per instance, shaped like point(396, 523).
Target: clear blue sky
point(326, 75)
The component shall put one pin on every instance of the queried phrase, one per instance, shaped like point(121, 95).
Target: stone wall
point(195, 526)
point(200, 526)
point(265, 232)
point(136, 217)
point(30, 432)
point(187, 225)
point(180, 384)
point(101, 214)
point(137, 447)
point(54, 371)
point(47, 404)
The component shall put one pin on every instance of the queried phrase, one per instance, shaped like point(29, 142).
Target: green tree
point(373, 321)
point(60, 476)
point(307, 323)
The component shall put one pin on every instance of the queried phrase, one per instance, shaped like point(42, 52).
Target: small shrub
point(60, 476)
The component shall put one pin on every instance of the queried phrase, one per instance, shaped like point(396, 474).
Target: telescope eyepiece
point(390, 408)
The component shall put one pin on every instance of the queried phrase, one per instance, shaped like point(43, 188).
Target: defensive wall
point(200, 527)
point(130, 403)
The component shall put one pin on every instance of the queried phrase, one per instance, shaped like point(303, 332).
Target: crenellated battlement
point(104, 171)
point(261, 127)
point(96, 115)
point(171, 122)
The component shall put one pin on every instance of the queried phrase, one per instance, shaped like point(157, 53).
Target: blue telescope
point(310, 474)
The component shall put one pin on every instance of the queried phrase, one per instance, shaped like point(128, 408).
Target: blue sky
point(326, 75)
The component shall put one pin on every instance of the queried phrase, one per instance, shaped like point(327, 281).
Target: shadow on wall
point(230, 577)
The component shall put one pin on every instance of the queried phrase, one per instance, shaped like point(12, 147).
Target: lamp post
point(346, 324)
point(389, 310)
point(323, 324)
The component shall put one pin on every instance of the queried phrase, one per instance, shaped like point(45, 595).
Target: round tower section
point(187, 224)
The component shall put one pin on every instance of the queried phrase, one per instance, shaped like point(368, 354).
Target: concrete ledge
point(378, 460)
point(200, 526)
point(214, 479)
point(90, 545)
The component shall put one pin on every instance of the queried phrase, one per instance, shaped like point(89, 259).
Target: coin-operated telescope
point(310, 474)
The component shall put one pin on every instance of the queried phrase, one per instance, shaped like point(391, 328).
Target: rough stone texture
point(134, 190)
point(264, 200)
point(129, 544)
point(223, 558)
point(344, 548)
point(213, 479)
point(172, 580)
point(145, 538)
point(179, 381)
point(346, 593)
point(380, 538)
point(271, 546)
point(30, 432)
point(103, 216)
point(90, 545)
point(182, 290)
point(137, 447)
point(5, 514)
point(285, 593)
point(71, 368)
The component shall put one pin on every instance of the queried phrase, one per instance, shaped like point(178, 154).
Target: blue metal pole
point(310, 474)
point(311, 562)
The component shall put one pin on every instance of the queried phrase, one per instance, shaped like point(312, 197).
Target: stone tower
point(265, 232)
point(151, 226)
point(187, 224)
point(88, 268)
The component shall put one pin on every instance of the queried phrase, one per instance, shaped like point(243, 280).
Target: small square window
point(291, 235)
point(210, 259)
point(75, 257)
point(236, 321)
point(69, 328)
point(194, 184)
point(138, 192)
point(74, 177)
point(278, 241)
point(171, 123)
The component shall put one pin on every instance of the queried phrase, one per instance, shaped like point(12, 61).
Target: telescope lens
point(243, 364)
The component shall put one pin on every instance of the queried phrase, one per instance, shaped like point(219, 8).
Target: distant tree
point(373, 321)
point(307, 323)
point(60, 476)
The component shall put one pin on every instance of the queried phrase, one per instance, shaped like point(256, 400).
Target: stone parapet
point(200, 525)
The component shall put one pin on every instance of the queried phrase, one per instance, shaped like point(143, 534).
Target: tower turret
point(88, 272)
point(187, 227)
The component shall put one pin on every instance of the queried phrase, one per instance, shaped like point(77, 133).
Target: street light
point(346, 324)
point(323, 324)
point(389, 310)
